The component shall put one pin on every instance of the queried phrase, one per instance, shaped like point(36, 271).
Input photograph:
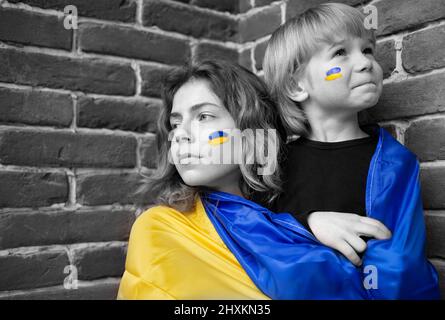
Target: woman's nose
point(182, 134)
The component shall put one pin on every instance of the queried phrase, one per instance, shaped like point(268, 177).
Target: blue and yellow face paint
point(218, 137)
point(333, 74)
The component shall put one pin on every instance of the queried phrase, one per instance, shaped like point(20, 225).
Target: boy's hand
point(342, 231)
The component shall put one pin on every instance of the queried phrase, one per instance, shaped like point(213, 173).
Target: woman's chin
point(197, 177)
point(207, 176)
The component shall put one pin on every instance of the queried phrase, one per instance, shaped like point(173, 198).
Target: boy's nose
point(363, 63)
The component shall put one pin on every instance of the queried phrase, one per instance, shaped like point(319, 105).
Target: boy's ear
point(298, 93)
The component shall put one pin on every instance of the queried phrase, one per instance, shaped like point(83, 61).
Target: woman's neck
point(233, 189)
point(229, 183)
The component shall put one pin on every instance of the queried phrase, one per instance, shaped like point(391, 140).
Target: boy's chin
point(365, 105)
point(369, 99)
point(368, 104)
point(365, 101)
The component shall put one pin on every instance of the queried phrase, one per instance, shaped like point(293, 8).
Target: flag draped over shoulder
point(286, 262)
point(393, 196)
point(180, 256)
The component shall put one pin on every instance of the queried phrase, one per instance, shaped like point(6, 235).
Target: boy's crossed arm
point(403, 270)
point(342, 231)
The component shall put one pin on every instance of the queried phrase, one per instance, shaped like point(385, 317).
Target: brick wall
point(78, 111)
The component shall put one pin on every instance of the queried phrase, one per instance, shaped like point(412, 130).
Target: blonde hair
point(291, 47)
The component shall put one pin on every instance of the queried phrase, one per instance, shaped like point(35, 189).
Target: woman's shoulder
point(153, 218)
point(155, 213)
point(164, 217)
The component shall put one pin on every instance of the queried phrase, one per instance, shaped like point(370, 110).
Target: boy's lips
point(369, 82)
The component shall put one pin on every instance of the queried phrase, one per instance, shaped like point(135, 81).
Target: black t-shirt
point(325, 176)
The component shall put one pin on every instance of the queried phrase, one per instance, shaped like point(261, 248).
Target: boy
point(320, 67)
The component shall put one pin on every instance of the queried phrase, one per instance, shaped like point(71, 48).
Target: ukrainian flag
point(218, 137)
point(333, 74)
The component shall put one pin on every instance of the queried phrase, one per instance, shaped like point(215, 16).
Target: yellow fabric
point(174, 255)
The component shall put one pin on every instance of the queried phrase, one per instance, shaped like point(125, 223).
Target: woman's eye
point(340, 52)
point(204, 116)
point(368, 51)
point(174, 125)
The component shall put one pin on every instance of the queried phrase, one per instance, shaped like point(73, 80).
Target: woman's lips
point(189, 159)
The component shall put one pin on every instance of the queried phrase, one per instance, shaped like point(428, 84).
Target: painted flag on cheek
point(333, 74)
point(218, 137)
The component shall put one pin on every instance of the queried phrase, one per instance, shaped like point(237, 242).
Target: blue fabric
point(286, 261)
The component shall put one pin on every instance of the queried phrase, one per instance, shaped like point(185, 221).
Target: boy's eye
point(368, 51)
point(340, 52)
